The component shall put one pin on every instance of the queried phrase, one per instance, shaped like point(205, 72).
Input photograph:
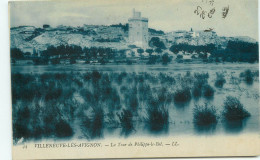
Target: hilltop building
point(138, 30)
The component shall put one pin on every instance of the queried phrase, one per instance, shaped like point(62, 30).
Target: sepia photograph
point(134, 79)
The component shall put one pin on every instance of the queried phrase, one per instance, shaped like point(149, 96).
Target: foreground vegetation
point(59, 105)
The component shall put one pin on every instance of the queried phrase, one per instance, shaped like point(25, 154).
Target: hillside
point(29, 38)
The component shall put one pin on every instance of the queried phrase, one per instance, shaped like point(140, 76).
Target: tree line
point(235, 51)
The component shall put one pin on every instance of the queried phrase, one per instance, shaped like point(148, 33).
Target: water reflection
point(209, 98)
point(235, 126)
point(209, 129)
point(157, 128)
point(176, 67)
point(126, 132)
point(181, 106)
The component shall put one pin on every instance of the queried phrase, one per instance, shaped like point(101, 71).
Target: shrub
point(164, 96)
point(220, 81)
point(21, 79)
point(87, 76)
point(165, 58)
point(234, 110)
point(87, 95)
point(132, 101)
point(152, 59)
point(199, 81)
point(123, 89)
point(179, 56)
point(50, 117)
point(93, 127)
point(204, 115)
point(72, 61)
point(41, 61)
point(158, 117)
point(16, 53)
point(103, 61)
point(144, 90)
point(63, 129)
point(46, 77)
point(126, 120)
point(114, 101)
point(78, 82)
point(129, 62)
point(26, 93)
point(196, 91)
point(132, 46)
point(156, 42)
point(139, 50)
point(120, 77)
point(248, 76)
point(37, 131)
point(20, 131)
point(182, 95)
point(208, 91)
point(97, 123)
point(201, 76)
point(164, 78)
point(96, 76)
point(60, 76)
point(35, 121)
point(150, 51)
point(20, 123)
point(53, 93)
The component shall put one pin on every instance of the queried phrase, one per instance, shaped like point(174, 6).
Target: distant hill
point(245, 39)
point(29, 38)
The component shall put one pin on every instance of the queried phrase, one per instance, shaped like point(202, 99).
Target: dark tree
point(16, 53)
point(152, 59)
point(156, 42)
point(241, 51)
point(165, 58)
point(158, 50)
point(139, 50)
point(192, 48)
point(150, 51)
point(155, 31)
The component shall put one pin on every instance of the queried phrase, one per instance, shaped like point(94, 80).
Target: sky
point(166, 15)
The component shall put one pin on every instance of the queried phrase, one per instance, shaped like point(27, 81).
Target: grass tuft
point(220, 80)
point(234, 109)
point(208, 91)
point(204, 115)
point(157, 115)
point(126, 120)
point(182, 95)
point(247, 76)
point(63, 129)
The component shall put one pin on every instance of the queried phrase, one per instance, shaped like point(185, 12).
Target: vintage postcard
point(134, 78)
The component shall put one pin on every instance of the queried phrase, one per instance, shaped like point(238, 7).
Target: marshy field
point(102, 102)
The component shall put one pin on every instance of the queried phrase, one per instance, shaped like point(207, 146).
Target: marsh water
point(181, 115)
point(171, 68)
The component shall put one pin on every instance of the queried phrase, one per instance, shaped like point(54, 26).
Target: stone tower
point(138, 30)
